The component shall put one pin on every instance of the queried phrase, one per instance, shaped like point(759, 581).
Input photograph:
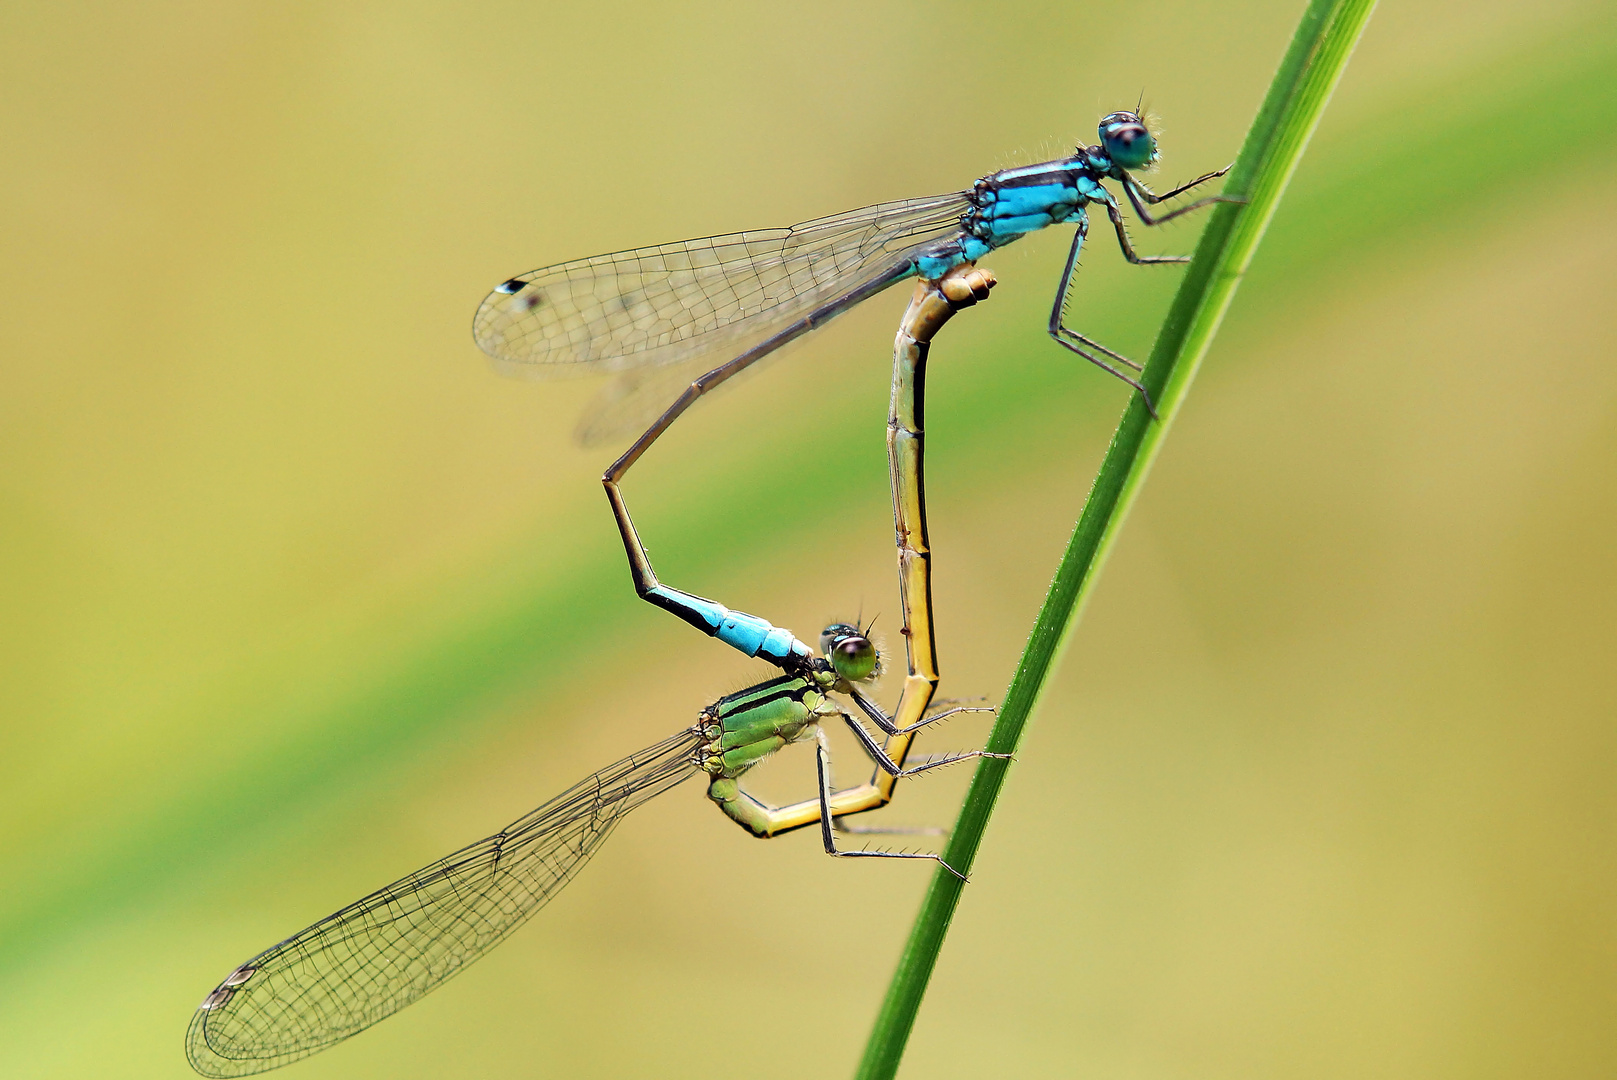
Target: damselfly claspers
point(372, 958)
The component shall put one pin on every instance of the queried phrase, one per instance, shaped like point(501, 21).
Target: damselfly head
point(1127, 141)
point(851, 653)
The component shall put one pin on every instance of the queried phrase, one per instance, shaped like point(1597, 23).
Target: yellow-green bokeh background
point(298, 595)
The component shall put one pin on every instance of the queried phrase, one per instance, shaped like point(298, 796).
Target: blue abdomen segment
point(942, 258)
point(748, 633)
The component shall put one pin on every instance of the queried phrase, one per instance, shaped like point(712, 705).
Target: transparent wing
point(659, 305)
point(632, 399)
point(379, 954)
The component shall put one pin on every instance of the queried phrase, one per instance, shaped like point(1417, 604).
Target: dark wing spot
point(512, 287)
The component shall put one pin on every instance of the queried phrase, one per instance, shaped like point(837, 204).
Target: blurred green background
point(299, 596)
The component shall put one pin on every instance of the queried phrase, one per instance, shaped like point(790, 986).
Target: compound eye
point(850, 652)
point(1128, 142)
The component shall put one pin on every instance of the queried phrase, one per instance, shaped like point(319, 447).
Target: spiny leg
point(1140, 195)
point(941, 710)
point(1077, 343)
point(885, 723)
point(895, 768)
point(841, 825)
point(1088, 347)
point(1116, 215)
point(1151, 197)
point(884, 761)
point(822, 762)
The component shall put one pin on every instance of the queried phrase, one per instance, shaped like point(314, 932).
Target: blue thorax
point(1009, 204)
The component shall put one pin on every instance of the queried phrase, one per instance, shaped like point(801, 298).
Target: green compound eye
point(1128, 142)
point(850, 652)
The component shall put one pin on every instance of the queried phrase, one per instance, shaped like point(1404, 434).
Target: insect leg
point(1083, 346)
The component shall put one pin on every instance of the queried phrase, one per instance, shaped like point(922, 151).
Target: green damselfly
point(370, 959)
point(379, 954)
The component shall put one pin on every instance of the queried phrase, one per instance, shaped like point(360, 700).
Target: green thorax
point(743, 728)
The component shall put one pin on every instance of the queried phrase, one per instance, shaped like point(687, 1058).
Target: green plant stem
point(1318, 53)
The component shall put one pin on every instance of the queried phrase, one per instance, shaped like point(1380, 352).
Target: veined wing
point(632, 399)
point(379, 954)
point(659, 305)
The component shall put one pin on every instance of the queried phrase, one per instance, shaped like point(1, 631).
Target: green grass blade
point(1318, 53)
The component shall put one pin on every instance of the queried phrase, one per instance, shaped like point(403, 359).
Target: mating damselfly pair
point(656, 310)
